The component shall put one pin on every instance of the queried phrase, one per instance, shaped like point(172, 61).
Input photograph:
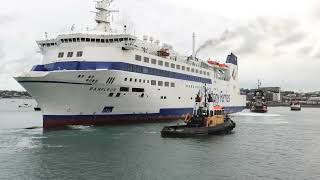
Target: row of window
point(70, 54)
point(95, 40)
point(172, 65)
point(153, 82)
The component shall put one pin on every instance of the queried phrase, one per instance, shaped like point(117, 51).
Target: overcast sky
point(276, 41)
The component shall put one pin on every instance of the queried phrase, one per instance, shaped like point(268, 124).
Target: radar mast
point(103, 15)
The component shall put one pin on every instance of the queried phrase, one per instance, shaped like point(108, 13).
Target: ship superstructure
point(101, 77)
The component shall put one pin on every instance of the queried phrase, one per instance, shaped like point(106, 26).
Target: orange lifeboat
point(163, 52)
point(213, 62)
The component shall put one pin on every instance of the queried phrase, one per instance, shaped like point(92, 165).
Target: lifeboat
point(163, 52)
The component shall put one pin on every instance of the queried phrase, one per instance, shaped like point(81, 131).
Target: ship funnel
point(193, 46)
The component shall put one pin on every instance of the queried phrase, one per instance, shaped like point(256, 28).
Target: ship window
point(111, 40)
point(102, 40)
point(147, 81)
point(144, 81)
point(146, 60)
point(173, 65)
point(110, 94)
point(161, 97)
point(70, 40)
point(208, 73)
point(165, 97)
point(125, 79)
point(153, 82)
point(160, 83)
point(116, 40)
point(130, 79)
point(118, 95)
point(197, 71)
point(200, 71)
point(166, 64)
point(138, 58)
point(188, 69)
point(79, 54)
point(135, 80)
point(98, 40)
point(62, 40)
point(87, 39)
point(192, 70)
point(121, 39)
point(172, 84)
point(74, 40)
point(126, 39)
point(78, 39)
point(183, 68)
point(137, 90)
point(83, 39)
point(70, 54)
point(107, 40)
point(160, 63)
point(166, 84)
point(139, 80)
point(107, 109)
point(153, 61)
point(178, 67)
point(60, 55)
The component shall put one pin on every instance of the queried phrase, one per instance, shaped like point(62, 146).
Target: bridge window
point(160, 83)
point(188, 69)
point(166, 64)
point(110, 94)
point(208, 74)
point(178, 67)
point(173, 65)
point(183, 68)
point(146, 59)
point(87, 39)
point(172, 84)
point(160, 63)
point(98, 40)
point(60, 55)
point(121, 39)
point(192, 70)
point(111, 40)
point(102, 40)
point(153, 82)
point(83, 39)
point(70, 54)
point(153, 61)
point(74, 40)
point(166, 84)
point(118, 95)
point(79, 54)
point(138, 58)
point(107, 40)
point(107, 109)
point(93, 40)
point(116, 40)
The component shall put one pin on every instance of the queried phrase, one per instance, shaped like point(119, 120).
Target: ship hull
point(66, 99)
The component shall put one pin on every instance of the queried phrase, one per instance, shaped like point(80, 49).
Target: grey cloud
point(291, 39)
point(306, 50)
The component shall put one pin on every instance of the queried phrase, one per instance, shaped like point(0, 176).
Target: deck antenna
point(259, 83)
point(72, 27)
point(46, 35)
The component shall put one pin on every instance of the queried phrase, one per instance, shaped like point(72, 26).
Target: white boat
point(295, 106)
point(99, 76)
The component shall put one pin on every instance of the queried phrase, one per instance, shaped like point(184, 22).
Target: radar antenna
point(103, 15)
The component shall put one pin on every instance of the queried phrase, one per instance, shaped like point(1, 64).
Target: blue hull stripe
point(83, 65)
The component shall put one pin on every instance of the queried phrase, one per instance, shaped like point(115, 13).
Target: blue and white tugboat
point(207, 119)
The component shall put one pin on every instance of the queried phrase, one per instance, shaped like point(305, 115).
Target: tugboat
point(258, 103)
point(207, 119)
point(295, 106)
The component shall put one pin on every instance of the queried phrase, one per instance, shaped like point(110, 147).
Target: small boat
point(258, 104)
point(208, 119)
point(295, 106)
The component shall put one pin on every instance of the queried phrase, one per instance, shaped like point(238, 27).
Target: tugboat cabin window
point(70, 54)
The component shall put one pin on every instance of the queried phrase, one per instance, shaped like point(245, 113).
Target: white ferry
point(100, 77)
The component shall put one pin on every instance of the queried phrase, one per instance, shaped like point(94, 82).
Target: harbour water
point(278, 145)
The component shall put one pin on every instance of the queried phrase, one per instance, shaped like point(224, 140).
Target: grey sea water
point(278, 145)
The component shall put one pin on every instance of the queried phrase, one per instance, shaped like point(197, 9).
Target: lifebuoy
point(187, 118)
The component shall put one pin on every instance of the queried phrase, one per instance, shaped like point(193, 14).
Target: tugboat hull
point(190, 131)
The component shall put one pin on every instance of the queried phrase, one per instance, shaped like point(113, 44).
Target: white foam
point(255, 114)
